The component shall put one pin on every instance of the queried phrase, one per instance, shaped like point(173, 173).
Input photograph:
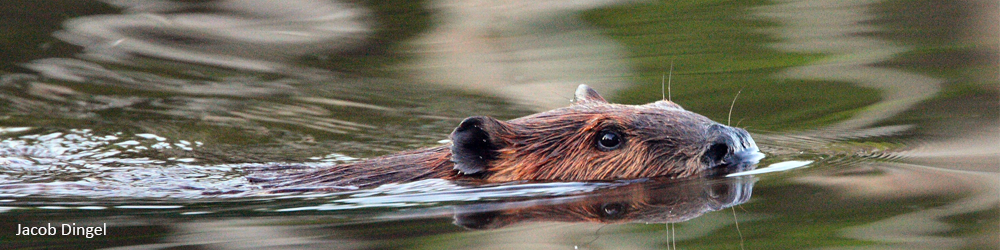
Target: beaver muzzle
point(731, 150)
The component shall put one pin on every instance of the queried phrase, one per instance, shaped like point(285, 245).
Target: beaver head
point(596, 140)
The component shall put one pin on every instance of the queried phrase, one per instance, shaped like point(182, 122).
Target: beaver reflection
point(665, 201)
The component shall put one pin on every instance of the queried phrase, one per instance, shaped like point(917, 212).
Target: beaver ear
point(474, 143)
point(585, 94)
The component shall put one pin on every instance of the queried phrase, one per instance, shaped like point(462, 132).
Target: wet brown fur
point(557, 145)
point(658, 139)
point(405, 166)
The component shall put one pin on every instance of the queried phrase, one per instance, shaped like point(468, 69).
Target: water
point(879, 118)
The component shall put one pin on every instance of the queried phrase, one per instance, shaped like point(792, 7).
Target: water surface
point(144, 117)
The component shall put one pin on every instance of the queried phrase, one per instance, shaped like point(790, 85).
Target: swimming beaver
point(589, 140)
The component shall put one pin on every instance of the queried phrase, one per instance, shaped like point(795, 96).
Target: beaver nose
point(731, 150)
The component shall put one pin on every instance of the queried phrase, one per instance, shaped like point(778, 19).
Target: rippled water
point(879, 119)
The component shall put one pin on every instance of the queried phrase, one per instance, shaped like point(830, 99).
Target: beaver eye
point(608, 140)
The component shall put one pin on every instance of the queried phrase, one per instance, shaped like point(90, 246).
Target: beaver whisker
point(737, 222)
point(669, 77)
point(730, 118)
point(663, 93)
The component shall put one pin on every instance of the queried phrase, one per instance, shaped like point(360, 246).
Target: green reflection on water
point(718, 50)
point(27, 34)
point(397, 21)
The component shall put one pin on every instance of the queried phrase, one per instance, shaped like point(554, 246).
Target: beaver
point(591, 139)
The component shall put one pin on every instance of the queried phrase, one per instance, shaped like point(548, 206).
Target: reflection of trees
point(524, 51)
point(255, 35)
point(129, 63)
point(854, 59)
point(882, 185)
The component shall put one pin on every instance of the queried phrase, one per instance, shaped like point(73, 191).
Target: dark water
point(879, 118)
